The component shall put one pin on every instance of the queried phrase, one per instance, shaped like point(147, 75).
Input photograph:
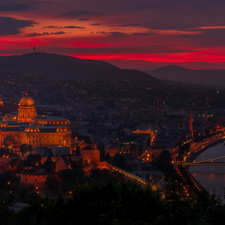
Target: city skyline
point(142, 34)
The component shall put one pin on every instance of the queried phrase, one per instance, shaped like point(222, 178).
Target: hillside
point(176, 73)
point(70, 67)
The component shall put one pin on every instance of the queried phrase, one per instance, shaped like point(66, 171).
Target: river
point(211, 177)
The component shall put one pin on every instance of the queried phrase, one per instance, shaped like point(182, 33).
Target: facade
point(34, 178)
point(25, 127)
point(62, 164)
point(112, 149)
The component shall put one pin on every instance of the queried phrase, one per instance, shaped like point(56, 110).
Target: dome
point(26, 101)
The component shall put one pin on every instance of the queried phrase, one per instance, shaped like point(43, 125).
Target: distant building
point(25, 127)
point(62, 164)
point(112, 149)
point(60, 150)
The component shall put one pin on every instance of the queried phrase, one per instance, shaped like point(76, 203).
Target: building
point(26, 127)
point(62, 164)
point(147, 129)
point(112, 149)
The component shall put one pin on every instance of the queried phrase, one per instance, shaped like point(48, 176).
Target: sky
point(134, 34)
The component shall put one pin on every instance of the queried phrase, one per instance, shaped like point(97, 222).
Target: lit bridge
point(220, 161)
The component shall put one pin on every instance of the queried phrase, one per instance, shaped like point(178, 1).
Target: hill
point(177, 73)
point(62, 66)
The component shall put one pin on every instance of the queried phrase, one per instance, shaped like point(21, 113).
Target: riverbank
point(194, 155)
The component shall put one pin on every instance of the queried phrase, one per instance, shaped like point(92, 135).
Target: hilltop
point(61, 66)
point(177, 73)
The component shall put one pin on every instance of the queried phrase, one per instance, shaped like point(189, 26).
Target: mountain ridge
point(63, 66)
point(182, 74)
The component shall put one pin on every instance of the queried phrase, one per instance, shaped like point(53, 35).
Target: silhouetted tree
point(9, 142)
point(49, 165)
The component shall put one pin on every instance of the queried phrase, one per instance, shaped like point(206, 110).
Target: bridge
point(220, 161)
point(134, 179)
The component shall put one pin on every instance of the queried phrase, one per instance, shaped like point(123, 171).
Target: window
point(35, 179)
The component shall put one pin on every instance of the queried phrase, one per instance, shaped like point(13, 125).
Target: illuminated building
point(149, 129)
point(25, 127)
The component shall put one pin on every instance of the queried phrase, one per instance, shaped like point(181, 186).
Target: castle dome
point(26, 101)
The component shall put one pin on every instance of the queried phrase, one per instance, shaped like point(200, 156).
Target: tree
point(49, 165)
point(70, 174)
point(9, 198)
point(26, 149)
point(33, 160)
point(16, 164)
point(164, 157)
point(50, 182)
point(9, 142)
point(80, 163)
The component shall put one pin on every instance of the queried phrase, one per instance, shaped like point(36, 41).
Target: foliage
point(50, 182)
point(118, 161)
point(70, 174)
point(118, 204)
point(49, 165)
point(33, 160)
point(9, 142)
point(163, 163)
point(16, 164)
point(26, 149)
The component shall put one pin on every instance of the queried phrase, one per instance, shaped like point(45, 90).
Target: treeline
point(119, 204)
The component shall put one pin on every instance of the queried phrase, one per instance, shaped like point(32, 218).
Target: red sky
point(140, 34)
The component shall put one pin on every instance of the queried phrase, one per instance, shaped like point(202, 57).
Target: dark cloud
point(37, 34)
point(143, 34)
point(148, 6)
point(79, 13)
point(41, 2)
point(67, 27)
point(172, 26)
point(58, 33)
point(15, 7)
point(52, 27)
point(163, 26)
point(11, 26)
point(45, 34)
point(73, 27)
point(210, 37)
point(129, 25)
point(117, 34)
point(95, 24)
point(83, 19)
point(20, 7)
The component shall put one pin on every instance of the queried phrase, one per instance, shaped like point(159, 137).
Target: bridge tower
point(191, 124)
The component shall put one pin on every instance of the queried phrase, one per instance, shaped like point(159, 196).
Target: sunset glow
point(143, 31)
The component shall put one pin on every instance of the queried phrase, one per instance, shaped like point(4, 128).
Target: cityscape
point(110, 119)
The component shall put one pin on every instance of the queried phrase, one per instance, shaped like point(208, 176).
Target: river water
point(211, 177)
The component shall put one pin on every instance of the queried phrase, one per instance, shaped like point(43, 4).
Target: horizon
point(167, 65)
point(140, 35)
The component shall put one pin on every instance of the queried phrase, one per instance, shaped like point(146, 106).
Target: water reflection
point(211, 177)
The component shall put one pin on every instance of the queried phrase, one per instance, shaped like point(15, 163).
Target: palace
point(26, 127)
